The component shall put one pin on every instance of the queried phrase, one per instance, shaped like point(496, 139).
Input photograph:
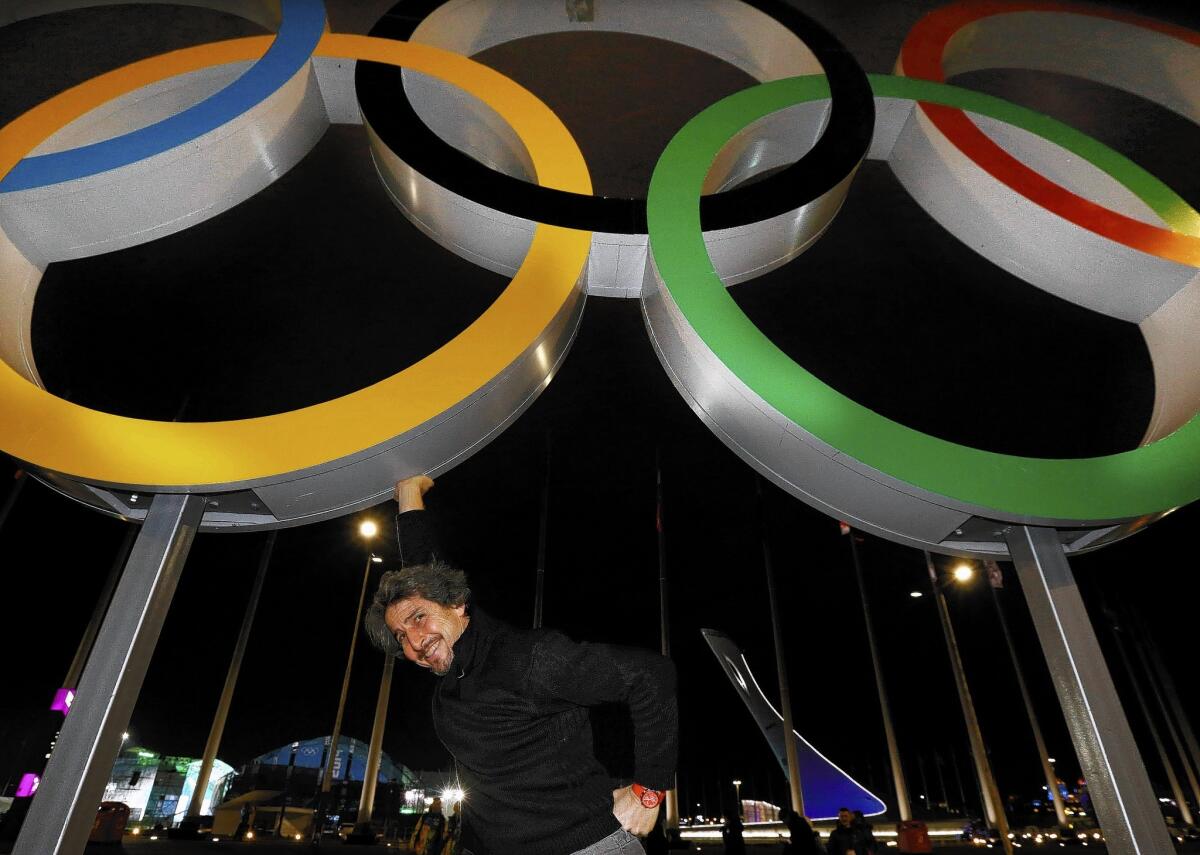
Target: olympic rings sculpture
point(818, 444)
point(1147, 58)
point(1160, 475)
point(516, 343)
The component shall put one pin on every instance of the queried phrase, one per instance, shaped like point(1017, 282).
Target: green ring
point(1146, 480)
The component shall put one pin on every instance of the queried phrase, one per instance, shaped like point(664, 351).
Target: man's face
point(845, 817)
point(427, 631)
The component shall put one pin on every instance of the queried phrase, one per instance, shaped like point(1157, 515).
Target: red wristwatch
point(649, 798)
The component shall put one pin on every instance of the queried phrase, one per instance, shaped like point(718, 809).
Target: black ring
point(841, 147)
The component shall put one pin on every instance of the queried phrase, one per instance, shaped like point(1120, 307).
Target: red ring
point(921, 56)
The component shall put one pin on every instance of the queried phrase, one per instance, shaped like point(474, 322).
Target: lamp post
point(367, 530)
point(737, 789)
point(992, 804)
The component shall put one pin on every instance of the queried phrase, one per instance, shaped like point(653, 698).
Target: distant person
point(245, 822)
point(731, 836)
point(450, 845)
point(804, 838)
point(866, 829)
point(429, 832)
point(847, 838)
point(512, 706)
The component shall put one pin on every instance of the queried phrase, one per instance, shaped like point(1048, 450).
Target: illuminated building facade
point(159, 788)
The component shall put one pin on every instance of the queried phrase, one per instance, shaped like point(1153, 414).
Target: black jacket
point(852, 840)
point(514, 713)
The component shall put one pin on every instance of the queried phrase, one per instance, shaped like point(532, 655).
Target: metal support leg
point(1120, 789)
point(61, 815)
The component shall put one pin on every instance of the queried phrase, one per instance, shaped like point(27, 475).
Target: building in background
point(756, 811)
point(276, 792)
point(158, 788)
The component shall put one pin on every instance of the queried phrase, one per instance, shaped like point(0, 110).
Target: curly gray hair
point(436, 581)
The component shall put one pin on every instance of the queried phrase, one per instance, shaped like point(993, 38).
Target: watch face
point(650, 798)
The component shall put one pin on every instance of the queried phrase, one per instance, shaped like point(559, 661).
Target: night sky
point(318, 286)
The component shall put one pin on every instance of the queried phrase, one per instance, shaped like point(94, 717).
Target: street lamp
point(993, 806)
point(737, 786)
point(367, 529)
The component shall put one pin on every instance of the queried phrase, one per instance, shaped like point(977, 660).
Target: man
point(428, 833)
point(849, 838)
point(512, 708)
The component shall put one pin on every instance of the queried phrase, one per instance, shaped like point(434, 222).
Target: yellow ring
point(101, 448)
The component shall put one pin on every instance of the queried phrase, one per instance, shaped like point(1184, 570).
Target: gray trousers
point(620, 842)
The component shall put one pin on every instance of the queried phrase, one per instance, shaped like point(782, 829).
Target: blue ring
point(301, 27)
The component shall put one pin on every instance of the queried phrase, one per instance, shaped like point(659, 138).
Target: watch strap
point(648, 797)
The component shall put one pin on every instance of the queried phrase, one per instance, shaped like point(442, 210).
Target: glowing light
point(916, 595)
point(368, 528)
point(28, 785)
point(964, 573)
point(63, 699)
point(451, 795)
point(375, 559)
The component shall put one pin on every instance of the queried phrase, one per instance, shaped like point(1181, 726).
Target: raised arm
point(415, 533)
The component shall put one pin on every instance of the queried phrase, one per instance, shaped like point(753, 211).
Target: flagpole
point(785, 697)
point(889, 732)
point(995, 582)
point(671, 819)
point(543, 530)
